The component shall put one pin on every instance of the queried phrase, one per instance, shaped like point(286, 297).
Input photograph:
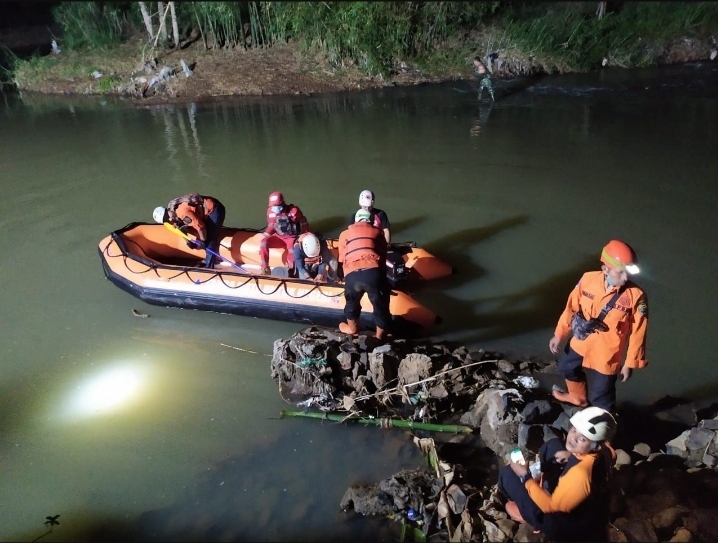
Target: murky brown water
point(520, 197)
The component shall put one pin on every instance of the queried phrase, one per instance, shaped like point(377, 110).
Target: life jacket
point(360, 250)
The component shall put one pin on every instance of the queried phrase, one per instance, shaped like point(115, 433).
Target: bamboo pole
point(147, 19)
point(383, 422)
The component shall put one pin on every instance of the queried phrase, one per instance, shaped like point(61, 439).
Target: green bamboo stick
point(398, 423)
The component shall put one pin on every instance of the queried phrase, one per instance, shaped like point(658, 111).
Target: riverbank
point(462, 405)
point(192, 73)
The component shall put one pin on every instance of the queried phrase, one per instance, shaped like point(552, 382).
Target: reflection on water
point(520, 205)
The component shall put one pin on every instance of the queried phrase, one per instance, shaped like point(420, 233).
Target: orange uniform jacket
point(574, 486)
point(361, 246)
point(627, 323)
point(194, 216)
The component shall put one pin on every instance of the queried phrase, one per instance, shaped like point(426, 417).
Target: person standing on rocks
point(607, 314)
point(570, 501)
point(362, 253)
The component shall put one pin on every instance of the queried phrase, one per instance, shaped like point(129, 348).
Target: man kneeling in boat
point(313, 260)
point(284, 224)
point(203, 214)
point(362, 252)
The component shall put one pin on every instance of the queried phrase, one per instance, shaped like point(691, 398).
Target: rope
point(153, 267)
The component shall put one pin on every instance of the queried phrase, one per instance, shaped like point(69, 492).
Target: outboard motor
point(396, 271)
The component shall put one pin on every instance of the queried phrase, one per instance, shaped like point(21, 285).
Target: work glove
point(195, 244)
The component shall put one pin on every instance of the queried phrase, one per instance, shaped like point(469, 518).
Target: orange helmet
point(275, 199)
point(619, 255)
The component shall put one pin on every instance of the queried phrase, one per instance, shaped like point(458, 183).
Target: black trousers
point(214, 228)
point(601, 388)
point(587, 523)
point(372, 281)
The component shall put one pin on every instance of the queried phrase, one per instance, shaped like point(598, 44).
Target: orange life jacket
point(358, 247)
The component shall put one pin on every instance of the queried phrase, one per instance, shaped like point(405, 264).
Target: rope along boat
point(156, 266)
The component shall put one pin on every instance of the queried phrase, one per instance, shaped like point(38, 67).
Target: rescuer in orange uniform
point(570, 500)
point(591, 365)
point(203, 214)
point(362, 252)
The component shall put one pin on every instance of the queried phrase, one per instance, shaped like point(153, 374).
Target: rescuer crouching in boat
point(203, 215)
point(362, 253)
point(570, 499)
point(313, 260)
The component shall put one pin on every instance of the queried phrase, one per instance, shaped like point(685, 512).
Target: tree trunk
point(163, 25)
point(601, 11)
point(147, 19)
point(175, 28)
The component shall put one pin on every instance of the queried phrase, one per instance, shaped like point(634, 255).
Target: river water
point(520, 197)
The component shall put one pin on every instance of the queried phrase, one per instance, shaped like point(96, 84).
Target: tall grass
point(93, 24)
point(374, 35)
point(575, 40)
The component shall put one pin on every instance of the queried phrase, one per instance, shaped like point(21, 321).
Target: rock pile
point(657, 495)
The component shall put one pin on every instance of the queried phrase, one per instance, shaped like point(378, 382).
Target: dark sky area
point(18, 14)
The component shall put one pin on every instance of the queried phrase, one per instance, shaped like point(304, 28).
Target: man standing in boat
point(203, 214)
point(284, 224)
point(378, 216)
point(362, 252)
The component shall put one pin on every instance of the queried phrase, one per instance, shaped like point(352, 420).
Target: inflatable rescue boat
point(156, 265)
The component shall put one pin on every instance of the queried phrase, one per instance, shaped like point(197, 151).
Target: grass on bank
point(439, 37)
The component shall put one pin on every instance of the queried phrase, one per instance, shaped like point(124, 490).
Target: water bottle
point(535, 470)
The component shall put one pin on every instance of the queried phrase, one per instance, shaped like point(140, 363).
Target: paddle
point(210, 251)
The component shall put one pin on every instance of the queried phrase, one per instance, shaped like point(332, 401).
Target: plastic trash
point(96, 74)
point(185, 68)
point(55, 48)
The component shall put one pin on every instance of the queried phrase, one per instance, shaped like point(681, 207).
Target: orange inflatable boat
point(154, 264)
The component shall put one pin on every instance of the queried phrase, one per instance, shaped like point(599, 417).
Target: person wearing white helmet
point(313, 260)
point(362, 253)
point(378, 216)
point(569, 501)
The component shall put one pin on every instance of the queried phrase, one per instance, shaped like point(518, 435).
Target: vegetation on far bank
point(377, 38)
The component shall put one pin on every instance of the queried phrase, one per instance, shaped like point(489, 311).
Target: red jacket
point(293, 213)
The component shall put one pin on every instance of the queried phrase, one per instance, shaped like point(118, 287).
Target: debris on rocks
point(660, 490)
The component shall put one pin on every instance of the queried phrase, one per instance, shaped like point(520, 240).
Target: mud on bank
point(142, 73)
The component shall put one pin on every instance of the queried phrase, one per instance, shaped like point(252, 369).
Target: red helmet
point(276, 199)
point(619, 255)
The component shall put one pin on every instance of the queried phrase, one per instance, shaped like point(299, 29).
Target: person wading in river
point(606, 313)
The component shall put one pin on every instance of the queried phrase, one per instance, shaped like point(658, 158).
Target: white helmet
point(594, 423)
point(159, 214)
point(310, 245)
point(366, 198)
